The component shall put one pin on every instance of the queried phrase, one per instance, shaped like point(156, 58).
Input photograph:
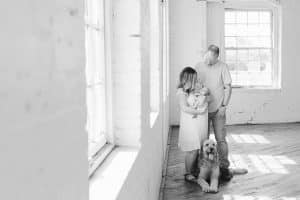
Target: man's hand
point(222, 111)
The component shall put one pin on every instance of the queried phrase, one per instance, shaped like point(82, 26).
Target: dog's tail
point(238, 171)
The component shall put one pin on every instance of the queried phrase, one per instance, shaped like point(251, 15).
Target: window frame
point(155, 54)
point(102, 151)
point(275, 23)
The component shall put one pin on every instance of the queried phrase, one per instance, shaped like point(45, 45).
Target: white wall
point(143, 180)
point(187, 42)
point(131, 94)
point(43, 142)
point(246, 106)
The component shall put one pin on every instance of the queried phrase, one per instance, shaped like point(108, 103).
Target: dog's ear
point(201, 152)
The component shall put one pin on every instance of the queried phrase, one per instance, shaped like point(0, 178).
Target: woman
point(193, 130)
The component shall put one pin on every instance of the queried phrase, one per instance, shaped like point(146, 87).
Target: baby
point(197, 99)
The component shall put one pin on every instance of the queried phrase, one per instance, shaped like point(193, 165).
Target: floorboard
point(270, 152)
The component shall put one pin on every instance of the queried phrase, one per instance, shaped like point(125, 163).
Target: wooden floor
point(270, 152)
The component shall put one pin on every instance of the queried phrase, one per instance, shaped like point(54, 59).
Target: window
point(154, 59)
point(96, 78)
point(251, 47)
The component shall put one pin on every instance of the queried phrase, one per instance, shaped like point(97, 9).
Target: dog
point(208, 164)
point(209, 167)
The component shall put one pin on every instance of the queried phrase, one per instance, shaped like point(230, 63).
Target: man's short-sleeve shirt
point(214, 77)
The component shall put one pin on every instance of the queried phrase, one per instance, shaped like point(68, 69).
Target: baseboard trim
point(165, 165)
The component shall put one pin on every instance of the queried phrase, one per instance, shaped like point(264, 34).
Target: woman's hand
point(185, 107)
point(202, 110)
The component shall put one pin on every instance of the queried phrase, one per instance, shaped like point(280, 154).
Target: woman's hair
point(187, 76)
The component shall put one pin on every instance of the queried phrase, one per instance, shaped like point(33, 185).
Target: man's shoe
point(226, 174)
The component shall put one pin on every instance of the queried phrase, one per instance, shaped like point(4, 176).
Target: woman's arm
point(202, 103)
point(202, 108)
point(185, 108)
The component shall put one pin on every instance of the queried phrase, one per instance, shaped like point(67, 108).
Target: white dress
point(192, 131)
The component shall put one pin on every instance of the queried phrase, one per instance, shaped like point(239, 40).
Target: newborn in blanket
point(198, 98)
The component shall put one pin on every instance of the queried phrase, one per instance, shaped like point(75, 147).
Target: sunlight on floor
point(261, 163)
point(249, 138)
point(241, 197)
point(237, 161)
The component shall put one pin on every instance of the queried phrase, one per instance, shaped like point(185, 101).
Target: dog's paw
point(213, 189)
point(205, 188)
point(201, 182)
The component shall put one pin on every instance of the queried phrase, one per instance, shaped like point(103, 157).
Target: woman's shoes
point(190, 178)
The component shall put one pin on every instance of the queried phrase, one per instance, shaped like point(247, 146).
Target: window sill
point(101, 155)
point(255, 89)
point(109, 178)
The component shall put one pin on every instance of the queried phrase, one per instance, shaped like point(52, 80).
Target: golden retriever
point(209, 166)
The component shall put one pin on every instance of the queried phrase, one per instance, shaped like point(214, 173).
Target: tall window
point(250, 47)
point(154, 59)
point(96, 78)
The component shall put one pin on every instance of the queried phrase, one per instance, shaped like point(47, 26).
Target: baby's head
point(201, 90)
point(187, 79)
point(204, 91)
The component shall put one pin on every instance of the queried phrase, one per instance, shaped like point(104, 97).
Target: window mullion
point(253, 65)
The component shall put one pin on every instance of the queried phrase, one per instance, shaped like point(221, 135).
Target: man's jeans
point(218, 123)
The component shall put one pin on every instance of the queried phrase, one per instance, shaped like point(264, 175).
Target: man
point(214, 75)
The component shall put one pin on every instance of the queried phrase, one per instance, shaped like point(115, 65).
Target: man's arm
point(227, 89)
point(227, 94)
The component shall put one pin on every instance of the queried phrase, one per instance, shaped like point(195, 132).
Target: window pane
point(234, 77)
point(254, 42)
point(254, 65)
point(242, 42)
point(229, 17)
point(95, 69)
point(230, 30)
point(242, 66)
point(230, 41)
point(265, 30)
point(265, 67)
point(265, 55)
point(242, 55)
point(230, 55)
point(253, 30)
point(265, 17)
point(154, 57)
point(241, 17)
point(241, 30)
point(241, 78)
point(95, 76)
point(254, 55)
point(265, 42)
point(253, 17)
point(96, 115)
point(232, 66)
